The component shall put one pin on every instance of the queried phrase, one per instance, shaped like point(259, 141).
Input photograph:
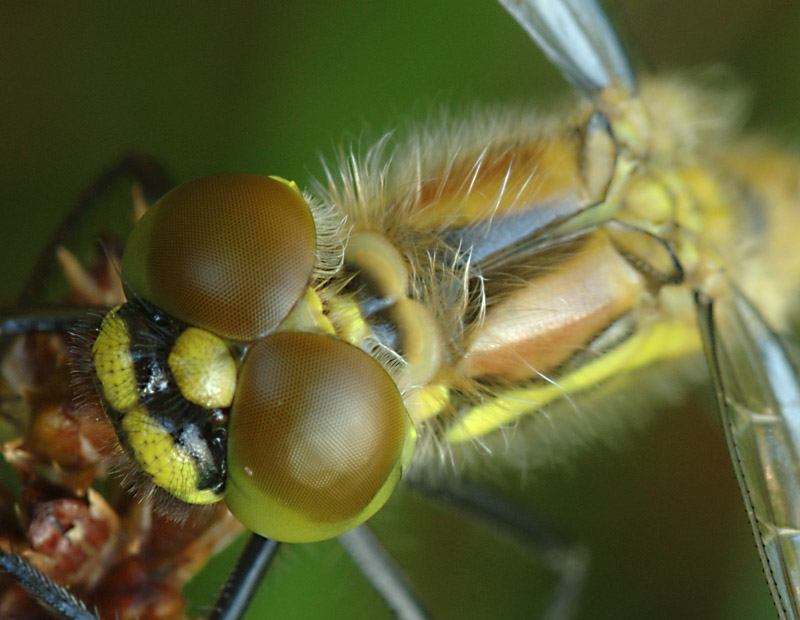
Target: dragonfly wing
point(578, 39)
point(758, 395)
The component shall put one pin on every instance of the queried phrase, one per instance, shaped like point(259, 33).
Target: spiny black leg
point(44, 589)
point(28, 318)
point(243, 582)
point(568, 561)
point(380, 569)
point(46, 318)
point(140, 168)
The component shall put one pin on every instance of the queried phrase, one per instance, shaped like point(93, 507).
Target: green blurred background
point(266, 87)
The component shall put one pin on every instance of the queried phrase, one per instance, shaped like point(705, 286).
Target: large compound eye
point(229, 253)
point(318, 438)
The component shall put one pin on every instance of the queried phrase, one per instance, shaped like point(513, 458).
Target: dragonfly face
point(278, 166)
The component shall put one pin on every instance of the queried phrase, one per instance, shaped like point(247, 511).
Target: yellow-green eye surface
point(229, 253)
point(318, 438)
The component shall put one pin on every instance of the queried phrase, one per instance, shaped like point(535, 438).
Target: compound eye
point(318, 438)
point(229, 253)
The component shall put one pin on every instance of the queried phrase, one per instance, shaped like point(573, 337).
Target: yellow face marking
point(347, 320)
point(203, 368)
point(113, 365)
point(307, 316)
point(169, 467)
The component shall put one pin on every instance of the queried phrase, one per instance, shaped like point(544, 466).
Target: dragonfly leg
point(141, 169)
point(44, 318)
point(44, 589)
point(567, 560)
point(246, 577)
point(380, 569)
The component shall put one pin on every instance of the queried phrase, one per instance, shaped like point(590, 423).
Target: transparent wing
point(577, 38)
point(758, 394)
